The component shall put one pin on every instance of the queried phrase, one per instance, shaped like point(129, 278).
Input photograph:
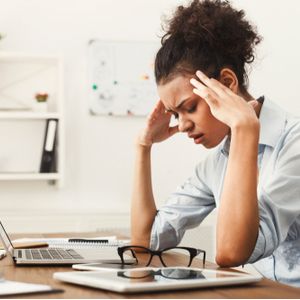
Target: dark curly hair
point(207, 35)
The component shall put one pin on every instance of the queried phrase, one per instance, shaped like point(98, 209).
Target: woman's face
point(193, 113)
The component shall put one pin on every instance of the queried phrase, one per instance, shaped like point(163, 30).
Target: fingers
point(203, 90)
point(217, 87)
point(160, 106)
point(205, 93)
point(173, 130)
point(211, 101)
point(213, 84)
point(159, 113)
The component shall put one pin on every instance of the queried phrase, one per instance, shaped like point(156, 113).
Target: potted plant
point(41, 102)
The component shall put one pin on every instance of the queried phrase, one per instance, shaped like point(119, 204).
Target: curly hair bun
point(217, 25)
point(210, 27)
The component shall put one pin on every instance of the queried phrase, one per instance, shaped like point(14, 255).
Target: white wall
point(99, 150)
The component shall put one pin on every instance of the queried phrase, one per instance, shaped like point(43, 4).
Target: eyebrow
point(179, 105)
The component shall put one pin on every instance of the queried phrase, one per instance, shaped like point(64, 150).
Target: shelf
point(28, 115)
point(29, 176)
point(24, 121)
point(9, 57)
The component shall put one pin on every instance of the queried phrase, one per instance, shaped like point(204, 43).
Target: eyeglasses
point(169, 273)
point(167, 256)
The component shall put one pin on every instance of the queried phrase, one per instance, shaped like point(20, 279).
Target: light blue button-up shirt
point(277, 251)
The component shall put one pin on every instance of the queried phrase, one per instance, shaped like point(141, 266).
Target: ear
point(229, 79)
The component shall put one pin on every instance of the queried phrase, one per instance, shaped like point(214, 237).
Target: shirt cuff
point(259, 248)
point(163, 235)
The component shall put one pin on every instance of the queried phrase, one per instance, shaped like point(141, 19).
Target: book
point(48, 164)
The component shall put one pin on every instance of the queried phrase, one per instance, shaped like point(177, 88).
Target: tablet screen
point(165, 274)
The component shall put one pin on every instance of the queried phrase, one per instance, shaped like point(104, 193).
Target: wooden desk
point(43, 275)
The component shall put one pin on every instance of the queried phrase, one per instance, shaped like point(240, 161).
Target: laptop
point(59, 256)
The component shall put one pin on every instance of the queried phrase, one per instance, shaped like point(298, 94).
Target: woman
point(253, 174)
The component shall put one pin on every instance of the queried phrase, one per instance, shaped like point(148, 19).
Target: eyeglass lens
point(171, 258)
point(176, 257)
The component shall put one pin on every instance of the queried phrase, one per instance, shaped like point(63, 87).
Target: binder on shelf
point(48, 164)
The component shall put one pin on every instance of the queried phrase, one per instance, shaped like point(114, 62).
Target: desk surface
point(43, 275)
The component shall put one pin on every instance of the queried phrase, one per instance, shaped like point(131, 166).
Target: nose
point(184, 125)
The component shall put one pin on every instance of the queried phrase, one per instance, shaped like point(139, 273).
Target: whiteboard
point(121, 77)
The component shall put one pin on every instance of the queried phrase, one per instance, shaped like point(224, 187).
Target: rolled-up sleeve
point(184, 209)
point(279, 196)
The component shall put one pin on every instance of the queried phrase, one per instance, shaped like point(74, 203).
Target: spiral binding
point(85, 244)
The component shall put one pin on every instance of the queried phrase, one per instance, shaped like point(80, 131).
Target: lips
point(198, 138)
point(195, 136)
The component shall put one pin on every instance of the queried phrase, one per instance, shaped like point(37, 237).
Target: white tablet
point(155, 279)
point(103, 266)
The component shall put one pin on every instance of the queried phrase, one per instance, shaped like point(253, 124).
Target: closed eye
point(192, 109)
point(175, 115)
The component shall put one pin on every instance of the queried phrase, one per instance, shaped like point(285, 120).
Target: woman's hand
point(158, 127)
point(224, 104)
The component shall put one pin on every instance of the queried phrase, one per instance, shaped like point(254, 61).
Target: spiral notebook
point(74, 243)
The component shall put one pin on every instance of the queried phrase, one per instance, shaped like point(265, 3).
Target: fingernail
point(199, 73)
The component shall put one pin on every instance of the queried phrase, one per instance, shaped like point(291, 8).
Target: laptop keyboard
point(48, 254)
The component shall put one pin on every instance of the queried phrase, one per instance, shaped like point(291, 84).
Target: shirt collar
point(272, 123)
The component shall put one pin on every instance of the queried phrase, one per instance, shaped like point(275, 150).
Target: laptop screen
point(5, 240)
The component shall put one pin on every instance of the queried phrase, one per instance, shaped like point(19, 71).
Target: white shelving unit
point(22, 123)
point(30, 176)
point(29, 115)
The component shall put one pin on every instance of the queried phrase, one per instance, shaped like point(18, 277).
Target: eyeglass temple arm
point(204, 254)
point(121, 254)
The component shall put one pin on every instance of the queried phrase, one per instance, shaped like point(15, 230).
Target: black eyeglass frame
point(193, 253)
